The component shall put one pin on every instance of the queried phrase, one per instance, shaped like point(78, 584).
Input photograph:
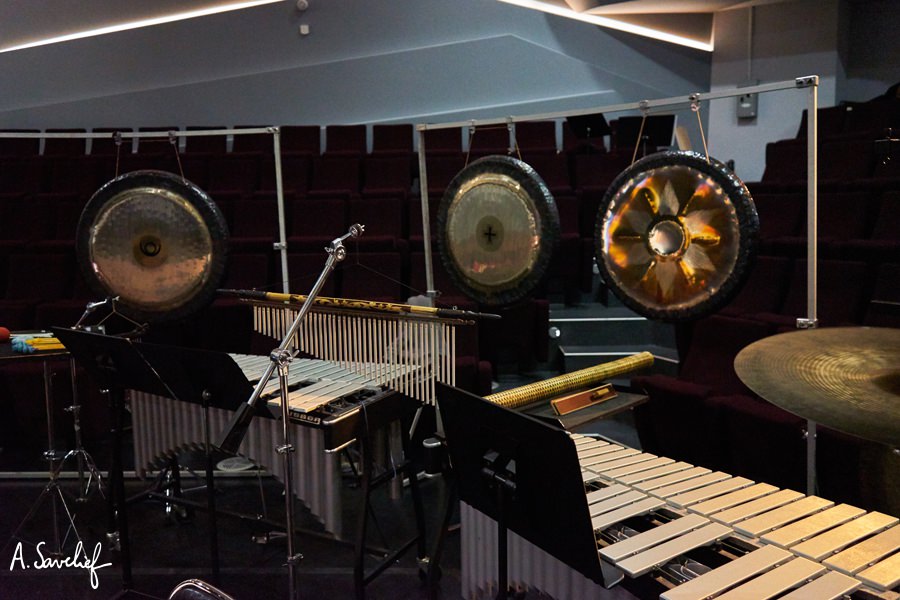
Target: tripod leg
point(71, 528)
point(30, 515)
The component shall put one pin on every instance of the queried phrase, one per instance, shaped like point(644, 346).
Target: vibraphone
point(357, 334)
point(326, 401)
point(697, 534)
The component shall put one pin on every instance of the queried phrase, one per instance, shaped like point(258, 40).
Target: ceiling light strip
point(221, 8)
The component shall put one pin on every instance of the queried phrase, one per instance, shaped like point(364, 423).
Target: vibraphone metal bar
point(407, 352)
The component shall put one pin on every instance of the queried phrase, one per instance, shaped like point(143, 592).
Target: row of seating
point(348, 175)
point(839, 160)
point(853, 225)
point(870, 118)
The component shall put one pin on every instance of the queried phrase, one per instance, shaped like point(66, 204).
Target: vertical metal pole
point(76, 409)
point(812, 139)
point(50, 455)
point(287, 450)
point(812, 179)
point(279, 194)
point(426, 219)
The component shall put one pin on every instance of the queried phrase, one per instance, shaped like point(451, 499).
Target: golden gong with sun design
point(675, 235)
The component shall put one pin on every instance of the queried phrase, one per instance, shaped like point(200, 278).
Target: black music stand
point(184, 374)
point(657, 132)
point(548, 507)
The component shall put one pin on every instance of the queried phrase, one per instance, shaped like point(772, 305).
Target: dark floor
point(167, 549)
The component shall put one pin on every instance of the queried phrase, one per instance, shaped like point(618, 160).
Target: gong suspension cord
point(473, 128)
point(117, 140)
point(695, 106)
point(640, 134)
point(174, 141)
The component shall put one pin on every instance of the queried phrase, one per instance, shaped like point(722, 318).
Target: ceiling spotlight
point(302, 5)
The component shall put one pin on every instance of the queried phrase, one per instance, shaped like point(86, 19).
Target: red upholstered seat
point(493, 139)
point(320, 219)
point(301, 139)
point(345, 140)
point(205, 144)
point(252, 143)
point(335, 176)
point(840, 295)
point(22, 174)
point(255, 221)
point(295, 173)
point(883, 309)
point(443, 141)
point(440, 170)
point(765, 288)
point(536, 137)
point(382, 216)
point(553, 169)
point(387, 175)
point(233, 172)
point(13, 146)
point(392, 140)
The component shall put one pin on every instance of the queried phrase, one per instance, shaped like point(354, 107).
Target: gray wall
point(363, 62)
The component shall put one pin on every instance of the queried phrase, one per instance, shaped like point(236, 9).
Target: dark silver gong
point(497, 229)
point(676, 235)
point(156, 241)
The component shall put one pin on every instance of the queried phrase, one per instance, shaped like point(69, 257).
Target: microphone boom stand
point(280, 358)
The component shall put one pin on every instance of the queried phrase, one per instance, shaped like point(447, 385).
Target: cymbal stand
point(85, 460)
point(52, 490)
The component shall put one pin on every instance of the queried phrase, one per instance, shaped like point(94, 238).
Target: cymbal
point(846, 378)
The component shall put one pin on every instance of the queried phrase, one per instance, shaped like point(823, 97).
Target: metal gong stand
point(280, 359)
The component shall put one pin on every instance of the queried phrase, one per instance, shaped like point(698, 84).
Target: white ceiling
point(24, 22)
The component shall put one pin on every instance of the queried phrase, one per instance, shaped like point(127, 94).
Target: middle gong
point(498, 226)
